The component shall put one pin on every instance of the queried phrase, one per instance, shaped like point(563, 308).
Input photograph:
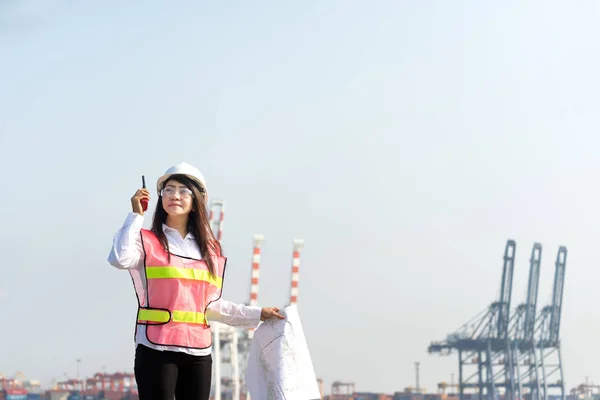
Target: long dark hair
point(197, 223)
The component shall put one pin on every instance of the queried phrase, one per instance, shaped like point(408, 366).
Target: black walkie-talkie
point(144, 201)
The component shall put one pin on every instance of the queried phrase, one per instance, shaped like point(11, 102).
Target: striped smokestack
point(258, 239)
point(217, 206)
point(255, 274)
point(298, 245)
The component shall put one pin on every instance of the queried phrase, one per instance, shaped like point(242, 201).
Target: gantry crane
point(548, 326)
point(523, 329)
point(484, 356)
point(531, 356)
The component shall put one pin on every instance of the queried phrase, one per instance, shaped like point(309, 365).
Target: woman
point(177, 269)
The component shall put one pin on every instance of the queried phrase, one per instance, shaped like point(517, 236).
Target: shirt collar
point(166, 229)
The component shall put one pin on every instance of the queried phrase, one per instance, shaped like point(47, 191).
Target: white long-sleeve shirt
point(127, 252)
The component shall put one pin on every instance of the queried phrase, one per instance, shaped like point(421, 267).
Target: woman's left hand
point(270, 312)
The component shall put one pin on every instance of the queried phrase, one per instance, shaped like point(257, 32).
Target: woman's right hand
point(136, 200)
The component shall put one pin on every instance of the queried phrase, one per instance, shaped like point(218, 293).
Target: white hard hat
point(183, 169)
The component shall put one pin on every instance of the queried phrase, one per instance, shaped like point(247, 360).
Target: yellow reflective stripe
point(188, 317)
point(183, 273)
point(153, 315)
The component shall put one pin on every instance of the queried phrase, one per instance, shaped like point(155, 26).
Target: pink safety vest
point(173, 295)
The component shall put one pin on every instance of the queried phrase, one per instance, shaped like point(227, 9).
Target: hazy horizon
point(404, 142)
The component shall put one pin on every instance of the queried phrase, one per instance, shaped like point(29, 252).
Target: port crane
point(515, 354)
point(523, 330)
point(548, 326)
point(484, 356)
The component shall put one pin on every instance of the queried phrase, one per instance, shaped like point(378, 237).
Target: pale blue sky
point(404, 141)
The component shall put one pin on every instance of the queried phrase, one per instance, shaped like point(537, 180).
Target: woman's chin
point(175, 211)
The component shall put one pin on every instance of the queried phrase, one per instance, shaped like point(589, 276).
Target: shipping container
point(365, 396)
point(15, 394)
point(407, 396)
point(370, 396)
point(58, 395)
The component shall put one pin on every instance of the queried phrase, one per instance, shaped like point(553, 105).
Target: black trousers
point(162, 375)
